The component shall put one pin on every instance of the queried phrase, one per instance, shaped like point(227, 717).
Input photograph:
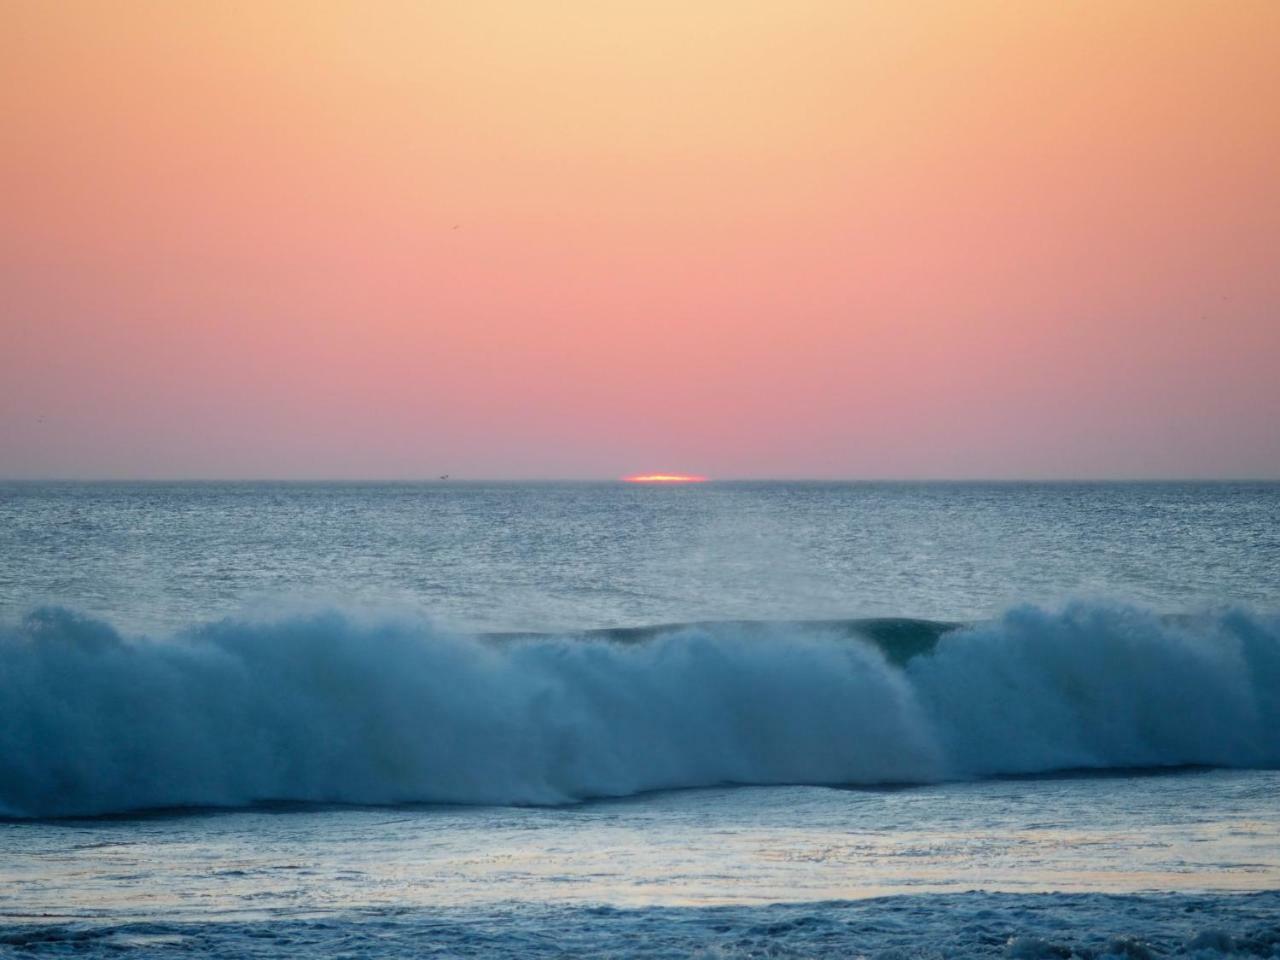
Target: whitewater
point(1029, 721)
point(335, 708)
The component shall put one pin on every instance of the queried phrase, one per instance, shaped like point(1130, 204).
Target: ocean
point(600, 719)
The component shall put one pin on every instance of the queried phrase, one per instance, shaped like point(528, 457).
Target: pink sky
point(588, 239)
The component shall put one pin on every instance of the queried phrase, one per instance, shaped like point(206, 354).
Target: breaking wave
point(339, 707)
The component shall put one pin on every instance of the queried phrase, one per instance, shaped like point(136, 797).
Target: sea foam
point(339, 707)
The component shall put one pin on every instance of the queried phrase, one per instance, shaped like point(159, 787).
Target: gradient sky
point(584, 238)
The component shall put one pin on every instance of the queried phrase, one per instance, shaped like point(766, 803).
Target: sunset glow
point(330, 238)
point(665, 478)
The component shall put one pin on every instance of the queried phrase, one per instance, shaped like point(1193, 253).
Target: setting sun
point(665, 478)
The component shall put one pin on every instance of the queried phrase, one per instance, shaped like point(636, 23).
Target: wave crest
point(338, 707)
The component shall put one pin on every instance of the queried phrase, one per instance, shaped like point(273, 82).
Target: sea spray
point(338, 707)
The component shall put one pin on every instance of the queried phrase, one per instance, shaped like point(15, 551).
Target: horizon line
point(623, 480)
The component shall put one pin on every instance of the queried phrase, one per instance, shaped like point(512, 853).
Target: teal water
point(735, 720)
point(159, 557)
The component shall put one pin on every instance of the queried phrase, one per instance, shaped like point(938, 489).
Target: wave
point(339, 707)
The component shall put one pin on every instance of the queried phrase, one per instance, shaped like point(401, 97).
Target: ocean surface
point(720, 720)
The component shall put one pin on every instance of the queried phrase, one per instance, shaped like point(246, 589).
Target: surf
point(345, 706)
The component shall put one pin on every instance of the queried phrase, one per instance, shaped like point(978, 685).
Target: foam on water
point(974, 925)
point(341, 707)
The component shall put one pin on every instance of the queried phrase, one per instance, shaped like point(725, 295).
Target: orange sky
point(591, 238)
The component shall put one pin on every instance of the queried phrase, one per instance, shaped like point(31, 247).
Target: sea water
point(732, 719)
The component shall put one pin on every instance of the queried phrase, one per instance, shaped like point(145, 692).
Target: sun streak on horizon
point(665, 478)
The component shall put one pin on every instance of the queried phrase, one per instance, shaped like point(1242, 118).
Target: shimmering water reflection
point(1189, 831)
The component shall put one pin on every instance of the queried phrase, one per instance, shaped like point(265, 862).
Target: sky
point(590, 238)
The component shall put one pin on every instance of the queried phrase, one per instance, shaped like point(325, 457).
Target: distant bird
point(444, 476)
point(456, 226)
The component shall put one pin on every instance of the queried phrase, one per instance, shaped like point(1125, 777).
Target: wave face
point(340, 708)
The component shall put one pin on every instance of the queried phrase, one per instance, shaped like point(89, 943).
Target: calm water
point(265, 720)
point(561, 557)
